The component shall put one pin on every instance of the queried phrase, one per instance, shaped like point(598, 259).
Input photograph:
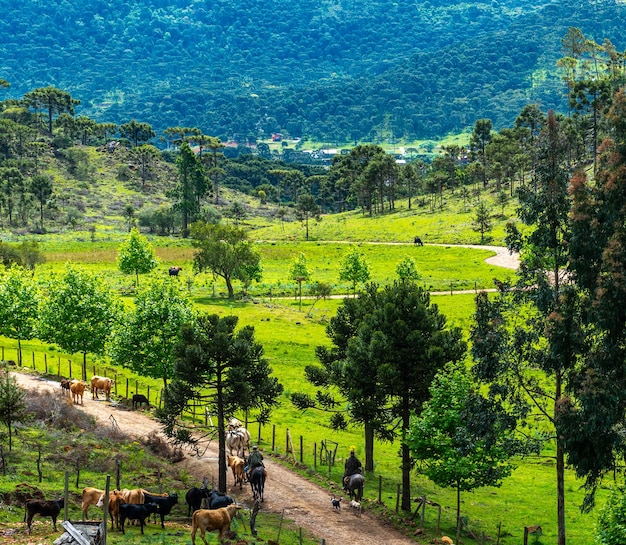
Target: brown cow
point(207, 520)
point(91, 496)
point(101, 383)
point(77, 387)
point(65, 386)
point(237, 465)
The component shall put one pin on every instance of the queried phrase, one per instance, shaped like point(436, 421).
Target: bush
point(56, 412)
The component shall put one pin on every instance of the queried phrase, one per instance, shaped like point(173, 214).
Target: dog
point(336, 502)
point(356, 507)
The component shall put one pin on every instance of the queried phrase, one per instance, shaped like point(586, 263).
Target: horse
point(257, 482)
point(238, 440)
point(355, 486)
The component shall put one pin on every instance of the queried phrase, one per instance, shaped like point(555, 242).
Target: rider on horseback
point(254, 460)
point(351, 467)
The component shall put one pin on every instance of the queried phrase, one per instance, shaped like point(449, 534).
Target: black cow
point(165, 504)
point(139, 399)
point(175, 270)
point(194, 498)
point(140, 512)
point(44, 508)
point(218, 499)
point(418, 241)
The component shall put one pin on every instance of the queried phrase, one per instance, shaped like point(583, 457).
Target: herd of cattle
point(138, 504)
point(76, 388)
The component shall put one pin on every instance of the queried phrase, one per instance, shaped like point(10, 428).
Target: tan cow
point(77, 388)
point(207, 520)
point(91, 496)
point(237, 465)
point(101, 383)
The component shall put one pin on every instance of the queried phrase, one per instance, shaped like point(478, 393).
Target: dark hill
point(335, 70)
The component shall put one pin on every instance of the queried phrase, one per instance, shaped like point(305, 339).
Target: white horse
point(238, 440)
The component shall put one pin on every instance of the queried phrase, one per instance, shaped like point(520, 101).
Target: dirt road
point(303, 502)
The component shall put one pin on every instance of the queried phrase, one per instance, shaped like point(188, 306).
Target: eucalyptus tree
point(534, 331)
point(220, 368)
point(77, 312)
point(53, 100)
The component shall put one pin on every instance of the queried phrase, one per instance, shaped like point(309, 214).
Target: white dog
point(356, 507)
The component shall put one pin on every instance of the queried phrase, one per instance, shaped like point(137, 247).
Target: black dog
point(336, 502)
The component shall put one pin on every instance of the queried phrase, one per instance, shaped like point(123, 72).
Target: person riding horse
point(254, 460)
point(351, 467)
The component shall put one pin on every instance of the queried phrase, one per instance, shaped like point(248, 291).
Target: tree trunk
point(458, 513)
point(560, 471)
point(229, 286)
point(369, 446)
point(406, 458)
point(221, 462)
point(85, 366)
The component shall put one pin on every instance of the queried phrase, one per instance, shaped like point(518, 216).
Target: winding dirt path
point(307, 504)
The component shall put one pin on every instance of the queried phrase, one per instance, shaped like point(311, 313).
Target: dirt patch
point(302, 501)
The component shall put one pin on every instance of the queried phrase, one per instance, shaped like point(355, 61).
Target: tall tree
point(11, 185)
point(41, 187)
point(145, 156)
point(145, 337)
point(300, 273)
point(137, 132)
point(543, 333)
point(136, 255)
point(18, 306)
point(225, 251)
point(77, 312)
point(222, 369)
point(307, 208)
point(190, 176)
point(53, 100)
point(481, 136)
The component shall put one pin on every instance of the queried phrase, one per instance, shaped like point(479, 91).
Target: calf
point(194, 498)
point(139, 399)
point(77, 387)
point(207, 520)
point(237, 465)
point(50, 508)
point(165, 504)
point(138, 512)
point(218, 500)
point(65, 386)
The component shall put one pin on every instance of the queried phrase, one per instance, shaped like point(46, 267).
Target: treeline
point(334, 72)
point(42, 127)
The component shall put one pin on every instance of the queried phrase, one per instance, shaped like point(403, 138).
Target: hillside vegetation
point(334, 71)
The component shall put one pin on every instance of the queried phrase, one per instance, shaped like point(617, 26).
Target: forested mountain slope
point(335, 70)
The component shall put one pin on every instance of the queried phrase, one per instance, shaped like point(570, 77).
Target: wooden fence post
point(398, 499)
point(126, 389)
point(273, 436)
point(59, 366)
point(33, 359)
point(148, 396)
point(70, 362)
point(380, 489)
point(301, 450)
point(115, 383)
point(315, 456)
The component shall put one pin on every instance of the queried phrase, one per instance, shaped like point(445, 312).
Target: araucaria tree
point(191, 187)
point(145, 337)
point(226, 251)
point(12, 404)
point(223, 370)
point(136, 255)
point(77, 312)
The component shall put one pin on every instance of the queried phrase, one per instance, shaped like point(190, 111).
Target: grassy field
point(289, 335)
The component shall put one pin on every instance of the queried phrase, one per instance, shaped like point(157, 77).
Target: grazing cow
point(77, 387)
point(194, 498)
point(207, 520)
point(65, 386)
point(238, 440)
point(418, 241)
point(237, 465)
point(175, 270)
point(101, 383)
point(44, 508)
point(165, 504)
point(218, 499)
point(136, 512)
point(91, 496)
point(139, 399)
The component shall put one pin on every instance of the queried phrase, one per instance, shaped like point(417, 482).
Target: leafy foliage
point(136, 256)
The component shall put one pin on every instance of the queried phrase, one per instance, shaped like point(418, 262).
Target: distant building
point(277, 137)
